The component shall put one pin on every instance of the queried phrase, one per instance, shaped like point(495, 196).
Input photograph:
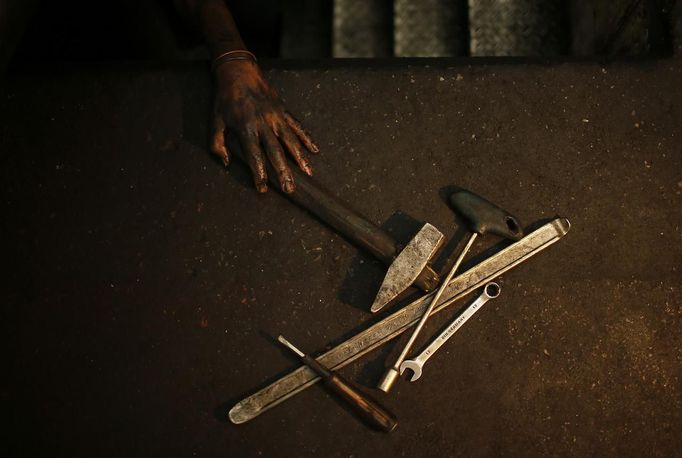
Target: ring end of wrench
point(492, 290)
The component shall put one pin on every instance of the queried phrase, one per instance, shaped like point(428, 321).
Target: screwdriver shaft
point(290, 346)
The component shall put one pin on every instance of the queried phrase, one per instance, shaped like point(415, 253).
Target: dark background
point(142, 283)
point(125, 30)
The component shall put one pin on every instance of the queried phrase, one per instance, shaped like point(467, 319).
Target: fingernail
point(288, 186)
point(315, 148)
point(261, 187)
point(308, 170)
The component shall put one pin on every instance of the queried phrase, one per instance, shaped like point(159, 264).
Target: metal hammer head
point(482, 216)
point(407, 266)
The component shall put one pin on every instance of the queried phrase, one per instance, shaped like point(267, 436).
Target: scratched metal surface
point(142, 284)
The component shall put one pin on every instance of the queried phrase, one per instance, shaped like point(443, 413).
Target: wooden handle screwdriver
point(367, 408)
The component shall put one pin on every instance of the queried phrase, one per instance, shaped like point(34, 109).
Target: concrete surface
point(143, 284)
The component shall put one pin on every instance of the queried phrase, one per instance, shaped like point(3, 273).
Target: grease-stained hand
point(247, 107)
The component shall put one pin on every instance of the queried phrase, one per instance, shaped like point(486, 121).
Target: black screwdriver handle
point(367, 408)
point(482, 216)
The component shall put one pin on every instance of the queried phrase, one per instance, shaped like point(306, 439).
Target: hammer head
point(407, 266)
point(482, 216)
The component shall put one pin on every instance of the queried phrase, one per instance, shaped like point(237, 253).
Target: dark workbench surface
point(143, 284)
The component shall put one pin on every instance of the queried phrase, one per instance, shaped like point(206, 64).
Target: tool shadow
point(365, 273)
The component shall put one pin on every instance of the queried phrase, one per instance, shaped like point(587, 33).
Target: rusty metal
point(407, 265)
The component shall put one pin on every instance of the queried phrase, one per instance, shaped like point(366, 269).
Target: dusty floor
point(143, 283)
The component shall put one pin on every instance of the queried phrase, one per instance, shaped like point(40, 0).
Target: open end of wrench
point(413, 366)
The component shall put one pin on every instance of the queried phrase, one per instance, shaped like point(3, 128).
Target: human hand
point(247, 107)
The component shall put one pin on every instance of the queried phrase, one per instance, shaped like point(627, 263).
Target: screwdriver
point(367, 408)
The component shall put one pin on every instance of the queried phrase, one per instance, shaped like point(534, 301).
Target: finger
point(278, 160)
point(293, 145)
point(298, 129)
point(218, 141)
point(256, 160)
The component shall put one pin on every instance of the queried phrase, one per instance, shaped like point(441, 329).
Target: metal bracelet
point(241, 54)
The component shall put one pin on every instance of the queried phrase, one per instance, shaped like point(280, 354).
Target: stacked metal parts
point(362, 28)
point(517, 28)
point(439, 28)
point(429, 28)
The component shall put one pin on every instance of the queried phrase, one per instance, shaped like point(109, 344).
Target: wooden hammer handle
point(350, 224)
point(355, 227)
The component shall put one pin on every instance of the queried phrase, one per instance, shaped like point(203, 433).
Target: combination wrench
point(490, 291)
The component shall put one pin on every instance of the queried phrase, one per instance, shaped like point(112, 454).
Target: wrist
point(227, 73)
point(236, 55)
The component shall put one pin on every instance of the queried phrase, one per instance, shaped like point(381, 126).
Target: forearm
point(216, 24)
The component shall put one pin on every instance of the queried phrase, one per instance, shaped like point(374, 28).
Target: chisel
point(368, 409)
